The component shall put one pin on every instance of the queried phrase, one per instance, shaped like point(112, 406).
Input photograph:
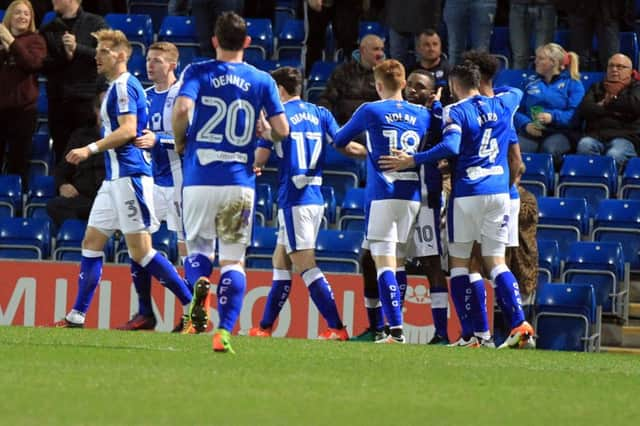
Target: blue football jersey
point(166, 162)
point(302, 153)
point(477, 133)
point(388, 124)
point(221, 137)
point(125, 95)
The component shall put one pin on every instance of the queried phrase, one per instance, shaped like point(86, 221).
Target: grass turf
point(68, 377)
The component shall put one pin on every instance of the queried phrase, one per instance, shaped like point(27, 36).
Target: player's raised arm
point(180, 121)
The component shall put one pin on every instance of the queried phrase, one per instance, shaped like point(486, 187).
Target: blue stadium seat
point(340, 181)
point(339, 251)
point(291, 39)
point(282, 15)
point(180, 30)
point(264, 201)
point(352, 210)
point(499, 44)
point(10, 195)
point(619, 221)
point(1, 14)
point(269, 65)
point(156, 9)
point(539, 177)
point(567, 318)
point(166, 242)
point(600, 264)
point(41, 154)
point(513, 78)
point(69, 240)
point(263, 243)
point(630, 184)
point(561, 37)
point(138, 67)
point(43, 102)
point(330, 204)
point(629, 46)
point(592, 177)
point(22, 238)
point(137, 28)
point(261, 33)
point(372, 27)
point(41, 189)
point(562, 219)
point(549, 258)
point(336, 161)
point(588, 79)
point(48, 17)
point(318, 77)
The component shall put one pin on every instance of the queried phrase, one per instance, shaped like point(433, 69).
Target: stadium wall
point(39, 293)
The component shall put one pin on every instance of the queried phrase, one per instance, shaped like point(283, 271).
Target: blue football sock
point(461, 295)
point(509, 293)
point(322, 296)
point(89, 278)
point(439, 305)
point(233, 282)
point(479, 316)
point(278, 295)
point(390, 297)
point(195, 266)
point(159, 267)
point(142, 283)
point(401, 278)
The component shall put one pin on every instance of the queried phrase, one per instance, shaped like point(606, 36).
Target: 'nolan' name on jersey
point(226, 79)
point(398, 116)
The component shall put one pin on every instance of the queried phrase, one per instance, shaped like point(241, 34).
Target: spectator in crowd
point(600, 18)
point(611, 110)
point(526, 18)
point(405, 20)
point(206, 13)
point(40, 8)
point(431, 58)
point(78, 184)
point(344, 16)
point(466, 18)
point(22, 51)
point(352, 82)
point(547, 113)
point(179, 7)
point(70, 68)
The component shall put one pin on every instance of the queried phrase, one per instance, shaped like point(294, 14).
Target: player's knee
point(95, 238)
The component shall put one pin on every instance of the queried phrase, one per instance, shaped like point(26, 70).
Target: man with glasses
point(611, 110)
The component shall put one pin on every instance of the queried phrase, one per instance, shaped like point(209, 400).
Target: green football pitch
point(94, 377)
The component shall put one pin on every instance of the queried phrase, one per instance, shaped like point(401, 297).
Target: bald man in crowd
point(611, 110)
point(352, 83)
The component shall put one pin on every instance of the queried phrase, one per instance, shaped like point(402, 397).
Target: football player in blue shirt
point(124, 200)
point(300, 204)
point(425, 243)
point(477, 135)
point(393, 198)
point(162, 59)
point(214, 124)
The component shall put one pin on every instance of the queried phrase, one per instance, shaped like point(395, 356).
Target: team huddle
point(188, 150)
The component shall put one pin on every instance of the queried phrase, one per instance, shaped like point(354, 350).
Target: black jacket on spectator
point(76, 78)
point(88, 175)
point(608, 10)
point(349, 86)
point(620, 118)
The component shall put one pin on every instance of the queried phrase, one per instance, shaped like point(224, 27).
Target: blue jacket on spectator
point(561, 98)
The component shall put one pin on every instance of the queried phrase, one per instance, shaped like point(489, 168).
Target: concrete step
point(631, 336)
point(620, 350)
point(634, 310)
point(634, 290)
